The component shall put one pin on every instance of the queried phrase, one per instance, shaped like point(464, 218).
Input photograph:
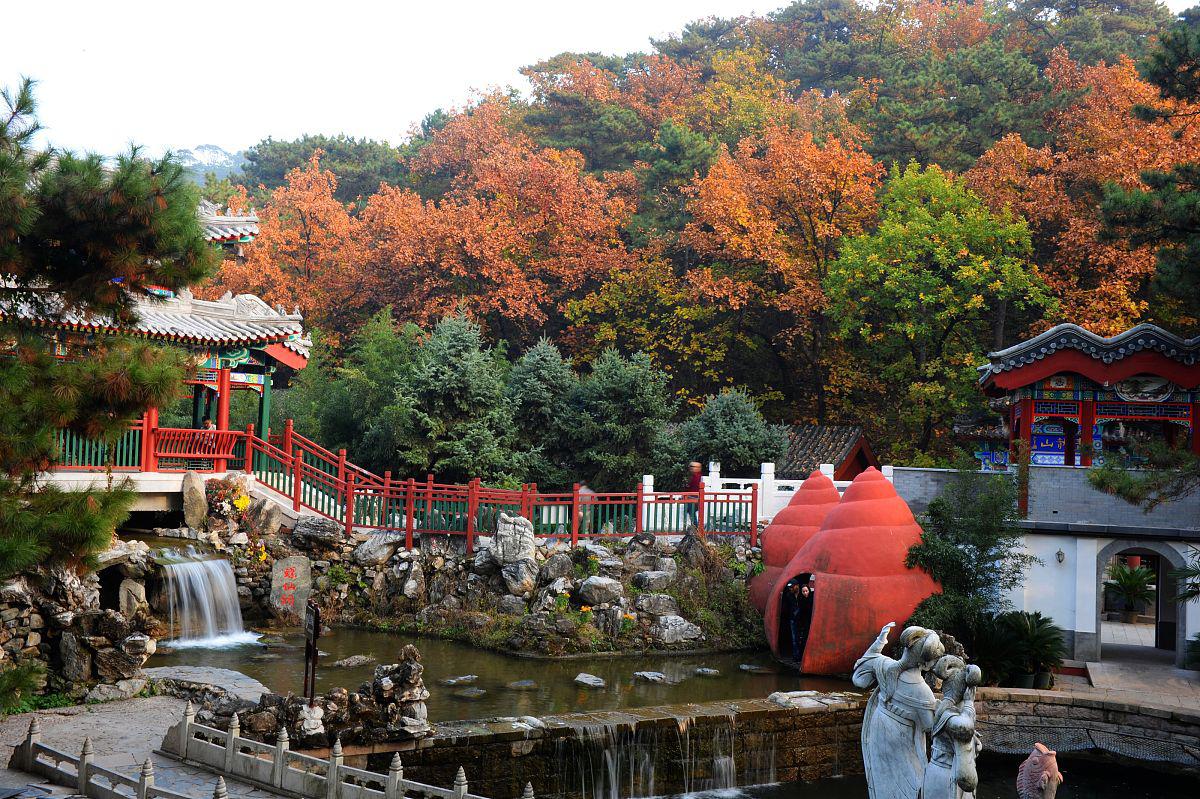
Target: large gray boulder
point(520, 577)
point(513, 541)
point(596, 590)
point(111, 692)
point(512, 605)
point(131, 597)
point(265, 517)
point(657, 604)
point(589, 680)
point(672, 630)
point(317, 532)
point(556, 566)
point(378, 549)
point(652, 581)
point(195, 503)
point(76, 659)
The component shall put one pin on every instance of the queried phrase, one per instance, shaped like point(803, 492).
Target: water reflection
point(280, 666)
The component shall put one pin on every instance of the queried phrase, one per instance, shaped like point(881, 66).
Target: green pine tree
point(78, 235)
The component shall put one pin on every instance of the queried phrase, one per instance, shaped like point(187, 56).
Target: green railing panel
point(76, 451)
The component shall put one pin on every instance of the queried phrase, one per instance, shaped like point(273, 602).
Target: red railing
point(314, 478)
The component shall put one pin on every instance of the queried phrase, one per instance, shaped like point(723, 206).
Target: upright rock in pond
point(195, 503)
point(400, 694)
point(291, 585)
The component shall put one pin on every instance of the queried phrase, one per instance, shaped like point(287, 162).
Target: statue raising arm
point(865, 675)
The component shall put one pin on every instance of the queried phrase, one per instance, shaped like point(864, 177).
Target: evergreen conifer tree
point(79, 236)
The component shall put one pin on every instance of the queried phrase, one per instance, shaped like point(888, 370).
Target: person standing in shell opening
point(798, 609)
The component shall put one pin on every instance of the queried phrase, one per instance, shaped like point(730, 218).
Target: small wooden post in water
point(279, 764)
point(235, 728)
point(333, 776)
point(85, 766)
point(145, 780)
point(395, 779)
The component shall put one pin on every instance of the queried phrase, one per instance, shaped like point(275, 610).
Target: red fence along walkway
point(324, 482)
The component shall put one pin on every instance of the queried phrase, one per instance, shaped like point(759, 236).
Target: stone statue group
point(916, 746)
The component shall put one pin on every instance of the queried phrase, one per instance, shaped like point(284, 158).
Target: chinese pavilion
point(238, 344)
point(1072, 395)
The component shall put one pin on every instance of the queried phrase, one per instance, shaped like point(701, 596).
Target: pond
point(281, 667)
point(1085, 779)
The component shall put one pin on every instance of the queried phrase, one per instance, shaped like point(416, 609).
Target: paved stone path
point(1115, 632)
point(123, 734)
point(1140, 674)
point(234, 682)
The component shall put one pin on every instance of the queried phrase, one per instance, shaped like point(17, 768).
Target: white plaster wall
point(1060, 590)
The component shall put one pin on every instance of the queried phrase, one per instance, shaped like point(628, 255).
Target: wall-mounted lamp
point(1060, 556)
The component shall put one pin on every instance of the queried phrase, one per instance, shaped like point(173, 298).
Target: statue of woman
point(951, 771)
point(899, 713)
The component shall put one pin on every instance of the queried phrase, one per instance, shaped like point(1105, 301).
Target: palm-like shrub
point(1131, 585)
point(1038, 640)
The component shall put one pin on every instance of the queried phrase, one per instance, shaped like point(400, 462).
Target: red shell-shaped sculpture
point(861, 582)
point(789, 530)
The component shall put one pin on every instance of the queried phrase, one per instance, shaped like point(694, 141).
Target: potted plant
point(1040, 648)
point(1131, 586)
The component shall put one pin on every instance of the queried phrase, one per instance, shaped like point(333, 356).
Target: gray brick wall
point(1063, 495)
point(1059, 495)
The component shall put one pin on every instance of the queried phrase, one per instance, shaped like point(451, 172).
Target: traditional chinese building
point(1072, 396)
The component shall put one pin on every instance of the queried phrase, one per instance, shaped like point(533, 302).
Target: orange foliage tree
point(521, 231)
point(1101, 284)
point(768, 219)
point(304, 254)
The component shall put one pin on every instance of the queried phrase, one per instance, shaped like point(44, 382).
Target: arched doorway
point(1159, 624)
point(795, 605)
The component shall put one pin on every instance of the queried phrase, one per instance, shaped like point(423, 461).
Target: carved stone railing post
point(220, 792)
point(333, 777)
point(185, 729)
point(279, 766)
point(145, 780)
point(235, 728)
point(528, 792)
point(460, 783)
point(32, 738)
point(85, 765)
point(394, 788)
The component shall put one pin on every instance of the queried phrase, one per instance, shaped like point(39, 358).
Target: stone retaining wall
point(680, 748)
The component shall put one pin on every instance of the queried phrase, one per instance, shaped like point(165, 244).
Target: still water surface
point(281, 668)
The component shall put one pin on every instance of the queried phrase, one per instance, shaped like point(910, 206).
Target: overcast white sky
point(177, 74)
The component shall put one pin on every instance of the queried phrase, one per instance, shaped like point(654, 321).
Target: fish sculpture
point(1039, 777)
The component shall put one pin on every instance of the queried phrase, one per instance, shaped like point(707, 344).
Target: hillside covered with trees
point(836, 208)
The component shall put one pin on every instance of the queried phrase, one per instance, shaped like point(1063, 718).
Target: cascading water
point(619, 759)
point(202, 602)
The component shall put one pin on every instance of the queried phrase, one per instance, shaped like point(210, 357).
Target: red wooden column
point(1070, 432)
point(222, 419)
point(1087, 424)
point(1025, 426)
point(575, 515)
point(150, 440)
point(1196, 428)
point(410, 499)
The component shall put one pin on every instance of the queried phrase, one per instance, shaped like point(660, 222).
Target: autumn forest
point(837, 208)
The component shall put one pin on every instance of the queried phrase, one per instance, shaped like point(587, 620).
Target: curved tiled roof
point(226, 226)
point(1143, 338)
point(810, 445)
point(244, 320)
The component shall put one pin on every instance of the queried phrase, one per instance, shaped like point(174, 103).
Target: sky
point(174, 74)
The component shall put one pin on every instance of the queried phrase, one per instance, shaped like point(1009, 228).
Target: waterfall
point(203, 603)
point(617, 758)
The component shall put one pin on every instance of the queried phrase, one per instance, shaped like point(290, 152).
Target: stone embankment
point(803, 735)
